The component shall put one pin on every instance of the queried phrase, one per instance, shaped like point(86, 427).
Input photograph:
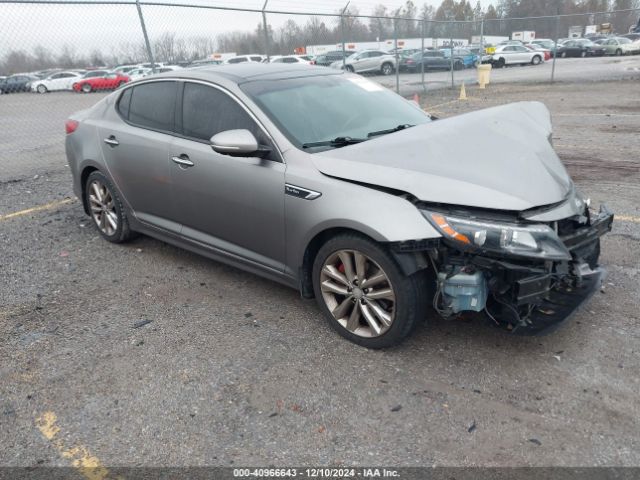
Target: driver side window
point(207, 111)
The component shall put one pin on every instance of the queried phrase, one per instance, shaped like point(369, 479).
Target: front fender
point(385, 217)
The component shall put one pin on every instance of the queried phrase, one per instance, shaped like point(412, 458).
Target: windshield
point(325, 107)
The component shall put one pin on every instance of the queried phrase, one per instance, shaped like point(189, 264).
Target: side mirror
point(238, 143)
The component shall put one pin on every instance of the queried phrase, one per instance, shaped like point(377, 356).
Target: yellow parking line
point(88, 465)
point(48, 206)
point(627, 218)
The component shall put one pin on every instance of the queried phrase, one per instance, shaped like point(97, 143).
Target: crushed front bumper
point(559, 305)
point(554, 299)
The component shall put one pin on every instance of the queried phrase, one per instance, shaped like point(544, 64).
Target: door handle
point(183, 161)
point(111, 140)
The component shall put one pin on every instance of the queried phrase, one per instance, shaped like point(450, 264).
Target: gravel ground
point(150, 355)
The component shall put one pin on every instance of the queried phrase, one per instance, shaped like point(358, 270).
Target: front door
point(234, 204)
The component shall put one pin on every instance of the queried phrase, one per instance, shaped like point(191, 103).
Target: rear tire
point(401, 299)
point(386, 69)
point(41, 89)
point(501, 63)
point(349, 69)
point(583, 53)
point(106, 209)
point(536, 60)
point(618, 52)
point(563, 54)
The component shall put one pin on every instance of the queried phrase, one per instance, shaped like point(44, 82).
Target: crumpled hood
point(496, 158)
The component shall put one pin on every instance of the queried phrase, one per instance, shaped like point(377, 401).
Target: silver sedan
point(333, 185)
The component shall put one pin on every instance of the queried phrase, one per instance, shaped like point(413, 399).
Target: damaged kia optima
point(332, 184)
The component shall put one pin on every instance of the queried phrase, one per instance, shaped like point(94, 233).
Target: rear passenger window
point(207, 111)
point(152, 105)
point(123, 103)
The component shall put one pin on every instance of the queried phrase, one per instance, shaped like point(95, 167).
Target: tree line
point(451, 19)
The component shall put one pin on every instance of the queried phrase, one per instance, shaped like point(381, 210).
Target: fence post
point(424, 87)
point(451, 47)
point(555, 48)
point(344, 59)
point(395, 47)
point(146, 37)
point(266, 30)
point(481, 42)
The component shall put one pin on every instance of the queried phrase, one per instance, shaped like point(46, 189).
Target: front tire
point(583, 53)
point(563, 54)
point(536, 60)
point(364, 295)
point(386, 69)
point(349, 68)
point(501, 63)
point(618, 52)
point(86, 88)
point(106, 209)
point(41, 89)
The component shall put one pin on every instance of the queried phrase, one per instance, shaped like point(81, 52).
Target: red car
point(109, 81)
point(539, 48)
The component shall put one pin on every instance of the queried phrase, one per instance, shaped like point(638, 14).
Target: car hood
point(497, 158)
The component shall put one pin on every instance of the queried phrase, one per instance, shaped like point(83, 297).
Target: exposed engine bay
point(526, 278)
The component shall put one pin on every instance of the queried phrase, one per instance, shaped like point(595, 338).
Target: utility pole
point(555, 46)
point(146, 38)
point(266, 30)
point(344, 60)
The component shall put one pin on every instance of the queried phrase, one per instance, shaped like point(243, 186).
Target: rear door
point(234, 204)
point(135, 142)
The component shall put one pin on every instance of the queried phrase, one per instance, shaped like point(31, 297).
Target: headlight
point(522, 240)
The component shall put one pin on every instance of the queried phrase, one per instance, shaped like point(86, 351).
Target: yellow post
point(463, 93)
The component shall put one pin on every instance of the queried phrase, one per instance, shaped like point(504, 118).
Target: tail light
point(70, 126)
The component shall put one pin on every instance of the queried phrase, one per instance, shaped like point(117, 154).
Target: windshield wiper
point(389, 130)
point(336, 142)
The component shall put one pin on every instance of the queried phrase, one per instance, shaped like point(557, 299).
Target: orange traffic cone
point(416, 99)
point(463, 93)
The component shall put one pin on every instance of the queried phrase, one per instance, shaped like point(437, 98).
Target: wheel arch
point(408, 261)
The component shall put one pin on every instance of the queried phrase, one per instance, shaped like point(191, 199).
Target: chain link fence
point(42, 38)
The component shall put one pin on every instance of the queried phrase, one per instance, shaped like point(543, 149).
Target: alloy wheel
point(358, 293)
point(103, 208)
point(42, 89)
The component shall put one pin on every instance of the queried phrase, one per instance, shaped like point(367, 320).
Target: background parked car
point(326, 59)
point(404, 56)
point(245, 58)
point(17, 83)
point(168, 68)
point(516, 55)
point(619, 46)
point(96, 73)
point(481, 52)
point(580, 47)
point(301, 59)
point(469, 59)
point(55, 82)
point(539, 48)
point(369, 61)
point(125, 68)
point(138, 73)
point(546, 43)
point(204, 62)
point(432, 60)
point(110, 81)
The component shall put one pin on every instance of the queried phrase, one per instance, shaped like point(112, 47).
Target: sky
point(87, 27)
